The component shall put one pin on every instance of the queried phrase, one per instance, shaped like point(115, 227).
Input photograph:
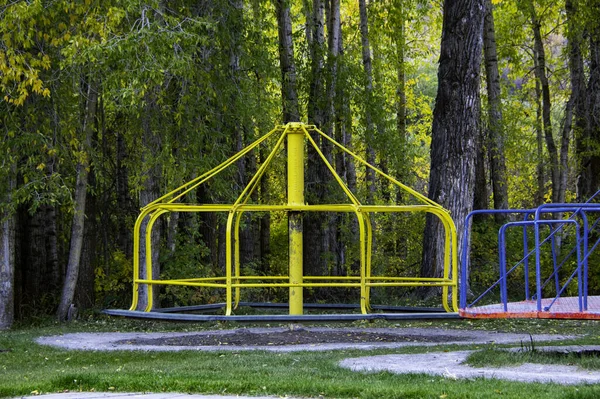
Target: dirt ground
point(298, 336)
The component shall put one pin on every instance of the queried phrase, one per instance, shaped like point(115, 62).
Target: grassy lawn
point(499, 358)
point(26, 367)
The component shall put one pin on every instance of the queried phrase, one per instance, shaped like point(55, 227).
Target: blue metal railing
point(578, 219)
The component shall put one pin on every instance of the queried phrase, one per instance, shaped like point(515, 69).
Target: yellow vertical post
point(295, 189)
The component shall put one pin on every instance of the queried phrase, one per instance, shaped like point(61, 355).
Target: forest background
point(106, 105)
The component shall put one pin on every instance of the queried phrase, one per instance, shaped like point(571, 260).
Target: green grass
point(29, 367)
point(498, 358)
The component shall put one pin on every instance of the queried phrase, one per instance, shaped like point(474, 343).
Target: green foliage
point(113, 282)
point(188, 260)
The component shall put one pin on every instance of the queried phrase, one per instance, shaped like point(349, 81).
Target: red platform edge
point(563, 308)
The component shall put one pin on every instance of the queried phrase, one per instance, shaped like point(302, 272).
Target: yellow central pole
point(295, 189)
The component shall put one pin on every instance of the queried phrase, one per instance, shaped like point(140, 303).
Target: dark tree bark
point(455, 124)
point(578, 86)
point(77, 227)
point(495, 142)
point(589, 123)
point(289, 95)
point(7, 254)
point(591, 165)
point(85, 292)
point(234, 20)
point(481, 192)
point(316, 89)
point(124, 202)
point(315, 227)
point(344, 163)
point(151, 143)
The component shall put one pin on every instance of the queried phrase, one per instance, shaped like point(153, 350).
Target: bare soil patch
point(291, 337)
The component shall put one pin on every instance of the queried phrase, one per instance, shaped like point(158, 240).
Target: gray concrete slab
point(451, 365)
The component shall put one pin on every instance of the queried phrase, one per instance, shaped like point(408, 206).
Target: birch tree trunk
point(455, 125)
point(77, 226)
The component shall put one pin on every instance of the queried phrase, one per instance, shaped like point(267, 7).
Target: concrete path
point(451, 365)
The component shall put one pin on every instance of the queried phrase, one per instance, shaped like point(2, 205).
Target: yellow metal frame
point(297, 134)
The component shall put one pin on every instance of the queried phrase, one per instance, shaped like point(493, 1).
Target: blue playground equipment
point(550, 280)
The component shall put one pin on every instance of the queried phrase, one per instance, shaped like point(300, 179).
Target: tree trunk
point(316, 93)
point(592, 164)
point(289, 93)
point(72, 273)
point(84, 293)
point(151, 144)
point(455, 125)
point(539, 138)
point(124, 236)
point(540, 74)
point(578, 87)
point(7, 255)
point(481, 194)
point(370, 126)
point(400, 41)
point(314, 228)
point(495, 142)
point(589, 122)
point(330, 243)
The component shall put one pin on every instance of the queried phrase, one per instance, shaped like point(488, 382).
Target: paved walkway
point(451, 365)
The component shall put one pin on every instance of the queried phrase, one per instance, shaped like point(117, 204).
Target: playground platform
point(562, 308)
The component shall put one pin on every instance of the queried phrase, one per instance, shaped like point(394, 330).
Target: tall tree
point(588, 113)
point(455, 124)
point(495, 142)
point(368, 88)
point(7, 250)
point(77, 226)
point(316, 232)
point(289, 95)
point(542, 77)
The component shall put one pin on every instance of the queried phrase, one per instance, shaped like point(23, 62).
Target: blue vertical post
point(538, 271)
